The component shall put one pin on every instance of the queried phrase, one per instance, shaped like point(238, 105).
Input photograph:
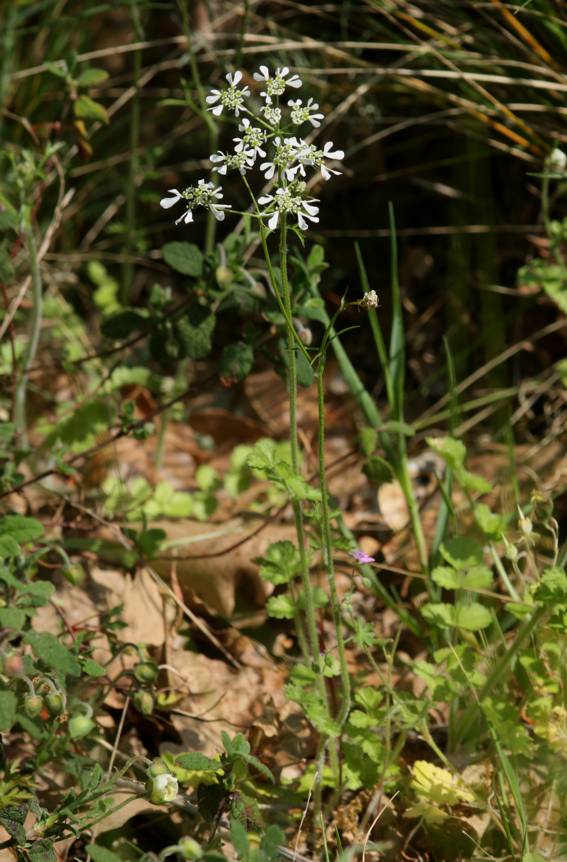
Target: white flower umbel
point(310, 155)
point(290, 200)
point(284, 157)
point(557, 160)
point(241, 161)
point(253, 139)
point(204, 195)
point(232, 99)
point(307, 113)
point(275, 84)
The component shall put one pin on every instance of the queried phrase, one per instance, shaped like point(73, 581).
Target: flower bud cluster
point(267, 138)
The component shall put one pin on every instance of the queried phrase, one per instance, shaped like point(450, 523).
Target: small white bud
point(162, 788)
point(557, 160)
point(369, 300)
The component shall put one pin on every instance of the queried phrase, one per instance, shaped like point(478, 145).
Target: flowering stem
point(35, 328)
point(328, 542)
point(294, 444)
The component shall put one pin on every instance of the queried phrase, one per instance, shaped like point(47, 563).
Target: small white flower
point(557, 160)
point(241, 161)
point(276, 83)
point(307, 113)
point(310, 155)
point(232, 99)
point(204, 194)
point(290, 200)
point(271, 112)
point(253, 139)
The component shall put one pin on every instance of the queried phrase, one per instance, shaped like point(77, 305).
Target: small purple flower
point(361, 557)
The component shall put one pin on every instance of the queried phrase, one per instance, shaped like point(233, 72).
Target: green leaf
point(490, 523)
point(281, 564)
point(123, 324)
point(8, 707)
point(8, 220)
point(12, 818)
point(195, 331)
point(86, 422)
point(280, 607)
point(378, 470)
point(12, 618)
point(22, 530)
point(452, 451)
point(471, 617)
point(239, 839)
point(86, 108)
point(194, 761)
point(92, 77)
point(476, 578)
point(42, 851)
point(462, 552)
point(102, 854)
point(93, 668)
point(552, 587)
point(184, 257)
point(52, 653)
point(8, 547)
point(236, 362)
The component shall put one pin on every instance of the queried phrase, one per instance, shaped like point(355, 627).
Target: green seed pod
point(189, 848)
point(223, 276)
point(79, 726)
point(33, 704)
point(146, 671)
point(74, 574)
point(144, 702)
point(55, 703)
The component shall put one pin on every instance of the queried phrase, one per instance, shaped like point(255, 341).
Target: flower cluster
point(268, 139)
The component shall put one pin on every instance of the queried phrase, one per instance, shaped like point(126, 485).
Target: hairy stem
point(328, 548)
point(33, 340)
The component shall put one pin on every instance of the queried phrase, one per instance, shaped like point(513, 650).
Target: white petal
point(217, 157)
point(217, 110)
point(273, 222)
point(218, 214)
point(186, 217)
point(236, 78)
point(310, 209)
point(325, 173)
point(314, 122)
point(283, 71)
point(212, 97)
point(294, 82)
point(265, 199)
point(166, 203)
point(301, 222)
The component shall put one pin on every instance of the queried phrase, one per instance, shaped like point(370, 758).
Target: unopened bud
point(33, 704)
point(144, 702)
point(146, 671)
point(163, 788)
point(557, 160)
point(223, 276)
point(190, 849)
point(369, 300)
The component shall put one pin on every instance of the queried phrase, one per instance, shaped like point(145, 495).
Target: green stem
point(328, 548)
point(133, 166)
point(294, 444)
point(33, 341)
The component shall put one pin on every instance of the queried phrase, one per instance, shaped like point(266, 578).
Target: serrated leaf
point(452, 451)
point(462, 552)
point(184, 257)
point(8, 707)
point(8, 547)
point(236, 362)
point(86, 108)
point(53, 653)
point(92, 77)
point(476, 578)
point(280, 607)
point(42, 851)
point(281, 563)
point(472, 617)
point(490, 523)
